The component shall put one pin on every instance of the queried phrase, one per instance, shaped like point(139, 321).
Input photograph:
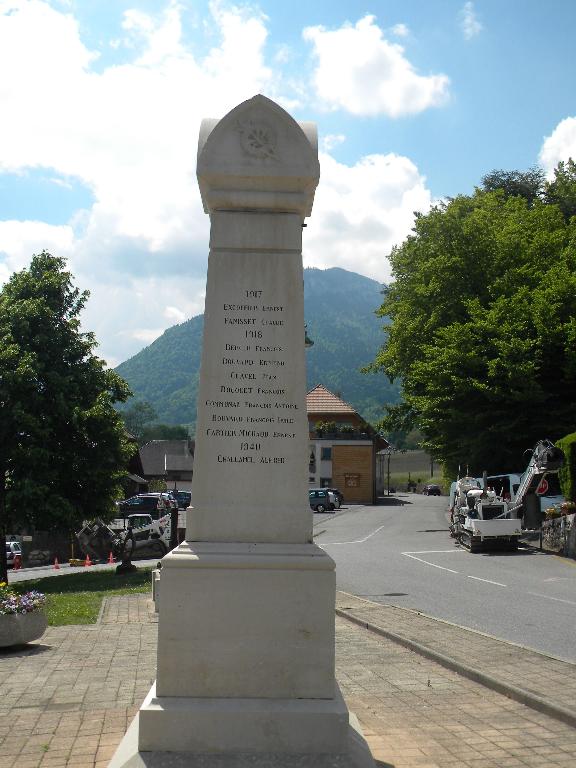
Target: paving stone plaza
point(67, 699)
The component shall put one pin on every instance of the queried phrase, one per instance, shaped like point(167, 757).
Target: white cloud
point(283, 54)
point(128, 132)
point(332, 140)
point(19, 240)
point(560, 145)
point(362, 211)
point(358, 70)
point(469, 23)
point(146, 335)
point(400, 30)
point(174, 314)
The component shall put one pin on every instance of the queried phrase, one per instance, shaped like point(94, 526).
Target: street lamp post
point(388, 453)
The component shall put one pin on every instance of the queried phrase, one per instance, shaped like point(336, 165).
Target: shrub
point(326, 426)
point(567, 474)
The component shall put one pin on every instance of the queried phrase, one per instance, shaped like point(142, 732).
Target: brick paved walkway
point(533, 672)
point(66, 700)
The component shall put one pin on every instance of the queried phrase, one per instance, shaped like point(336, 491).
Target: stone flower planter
point(21, 628)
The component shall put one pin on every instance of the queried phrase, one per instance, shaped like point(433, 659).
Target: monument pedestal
point(245, 664)
point(246, 620)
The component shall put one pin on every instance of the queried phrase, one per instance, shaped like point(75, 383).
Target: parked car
point(337, 493)
point(13, 548)
point(139, 520)
point(323, 500)
point(156, 504)
point(183, 498)
point(432, 490)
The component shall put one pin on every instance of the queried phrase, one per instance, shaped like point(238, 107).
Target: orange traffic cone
point(56, 564)
point(111, 558)
point(87, 562)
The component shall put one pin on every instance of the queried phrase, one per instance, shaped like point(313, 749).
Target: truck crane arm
point(546, 459)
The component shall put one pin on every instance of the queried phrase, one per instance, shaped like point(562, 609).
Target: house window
point(326, 454)
point(325, 482)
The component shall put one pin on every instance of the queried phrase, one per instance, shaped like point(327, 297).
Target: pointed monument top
point(258, 157)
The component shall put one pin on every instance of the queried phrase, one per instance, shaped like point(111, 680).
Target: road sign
point(543, 487)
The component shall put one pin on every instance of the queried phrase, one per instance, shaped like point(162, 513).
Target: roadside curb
point(103, 605)
point(538, 703)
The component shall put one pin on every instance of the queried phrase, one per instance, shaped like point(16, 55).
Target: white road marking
point(434, 551)
point(420, 559)
point(559, 578)
point(497, 583)
point(358, 541)
point(443, 568)
point(557, 599)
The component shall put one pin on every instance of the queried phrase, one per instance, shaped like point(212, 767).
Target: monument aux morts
point(245, 671)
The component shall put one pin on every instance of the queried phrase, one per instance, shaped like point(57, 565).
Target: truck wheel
point(320, 508)
point(160, 548)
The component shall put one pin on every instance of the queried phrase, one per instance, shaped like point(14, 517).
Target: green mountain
point(339, 309)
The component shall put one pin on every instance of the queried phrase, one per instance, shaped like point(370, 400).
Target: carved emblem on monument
point(258, 139)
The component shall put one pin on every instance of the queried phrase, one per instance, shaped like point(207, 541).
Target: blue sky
point(415, 100)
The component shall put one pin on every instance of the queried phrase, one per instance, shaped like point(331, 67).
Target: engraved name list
point(249, 413)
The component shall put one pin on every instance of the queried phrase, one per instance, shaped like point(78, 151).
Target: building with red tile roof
point(343, 447)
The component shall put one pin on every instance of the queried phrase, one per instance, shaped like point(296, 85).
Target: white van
point(13, 548)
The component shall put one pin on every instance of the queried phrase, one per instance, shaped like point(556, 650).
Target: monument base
point(246, 621)
point(242, 733)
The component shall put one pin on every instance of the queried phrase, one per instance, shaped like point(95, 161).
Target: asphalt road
point(401, 554)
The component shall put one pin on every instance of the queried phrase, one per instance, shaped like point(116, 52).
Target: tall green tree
point(63, 448)
point(164, 432)
point(137, 417)
point(561, 190)
point(483, 331)
point(527, 184)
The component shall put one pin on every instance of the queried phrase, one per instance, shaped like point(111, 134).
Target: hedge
point(567, 474)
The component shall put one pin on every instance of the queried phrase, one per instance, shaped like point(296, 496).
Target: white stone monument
point(246, 626)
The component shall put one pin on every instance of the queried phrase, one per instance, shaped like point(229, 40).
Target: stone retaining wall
point(559, 535)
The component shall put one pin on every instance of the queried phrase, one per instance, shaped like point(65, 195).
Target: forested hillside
point(339, 308)
point(339, 312)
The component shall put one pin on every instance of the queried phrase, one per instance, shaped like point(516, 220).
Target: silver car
point(323, 500)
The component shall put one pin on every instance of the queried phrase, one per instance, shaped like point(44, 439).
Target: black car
point(432, 490)
point(183, 498)
point(156, 504)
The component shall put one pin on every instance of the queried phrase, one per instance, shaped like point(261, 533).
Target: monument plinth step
point(243, 733)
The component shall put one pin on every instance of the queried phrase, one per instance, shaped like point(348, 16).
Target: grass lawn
point(76, 598)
